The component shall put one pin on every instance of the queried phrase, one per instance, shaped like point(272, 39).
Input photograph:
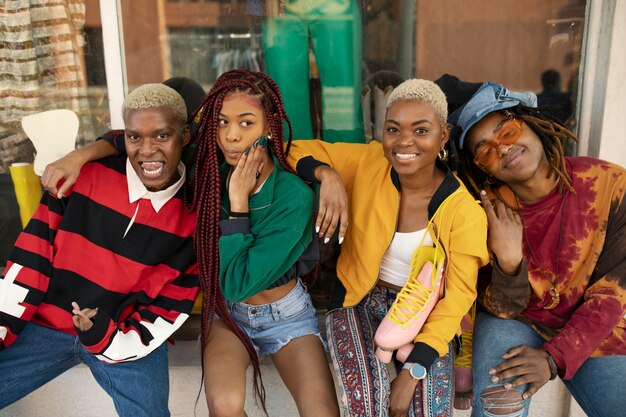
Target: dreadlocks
point(204, 194)
point(553, 136)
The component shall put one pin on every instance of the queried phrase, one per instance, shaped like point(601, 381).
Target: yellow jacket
point(373, 192)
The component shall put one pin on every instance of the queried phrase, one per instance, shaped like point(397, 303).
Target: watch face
point(417, 371)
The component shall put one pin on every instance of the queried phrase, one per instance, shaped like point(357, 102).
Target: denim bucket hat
point(488, 98)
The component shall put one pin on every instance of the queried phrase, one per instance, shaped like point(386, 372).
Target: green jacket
point(275, 244)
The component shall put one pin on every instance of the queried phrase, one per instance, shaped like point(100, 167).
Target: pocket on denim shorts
point(296, 303)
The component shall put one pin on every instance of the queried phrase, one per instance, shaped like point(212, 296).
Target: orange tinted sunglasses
point(508, 134)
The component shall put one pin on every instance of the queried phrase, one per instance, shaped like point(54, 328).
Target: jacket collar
point(449, 185)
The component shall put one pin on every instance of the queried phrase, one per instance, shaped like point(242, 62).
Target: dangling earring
point(383, 153)
point(443, 154)
point(269, 136)
point(490, 179)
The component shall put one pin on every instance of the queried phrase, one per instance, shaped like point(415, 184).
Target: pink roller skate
point(404, 351)
point(412, 306)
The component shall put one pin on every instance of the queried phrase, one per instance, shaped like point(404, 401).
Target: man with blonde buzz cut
point(106, 273)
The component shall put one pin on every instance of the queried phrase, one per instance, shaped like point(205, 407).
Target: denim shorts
point(271, 326)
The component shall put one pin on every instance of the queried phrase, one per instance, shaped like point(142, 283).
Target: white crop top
point(396, 263)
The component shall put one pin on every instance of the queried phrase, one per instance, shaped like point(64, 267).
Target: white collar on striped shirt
point(158, 199)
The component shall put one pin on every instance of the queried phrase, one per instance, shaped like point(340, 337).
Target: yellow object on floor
point(197, 306)
point(27, 189)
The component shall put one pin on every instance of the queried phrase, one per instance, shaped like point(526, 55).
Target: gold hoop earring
point(443, 154)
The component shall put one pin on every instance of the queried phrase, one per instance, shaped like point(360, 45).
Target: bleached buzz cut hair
point(154, 96)
point(424, 91)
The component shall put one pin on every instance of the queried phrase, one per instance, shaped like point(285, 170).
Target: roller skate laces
point(409, 303)
point(416, 297)
point(412, 305)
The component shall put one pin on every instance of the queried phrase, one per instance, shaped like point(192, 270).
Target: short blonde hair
point(154, 96)
point(424, 91)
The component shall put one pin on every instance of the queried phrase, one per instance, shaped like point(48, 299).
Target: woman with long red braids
point(254, 240)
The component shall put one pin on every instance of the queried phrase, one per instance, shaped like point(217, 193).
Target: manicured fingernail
point(492, 371)
point(508, 386)
point(340, 240)
point(326, 240)
point(246, 151)
point(494, 379)
point(263, 141)
point(320, 235)
point(317, 229)
point(525, 396)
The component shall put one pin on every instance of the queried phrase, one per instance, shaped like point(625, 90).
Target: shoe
point(411, 308)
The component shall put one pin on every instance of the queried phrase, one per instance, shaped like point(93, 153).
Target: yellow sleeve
point(343, 157)
point(466, 249)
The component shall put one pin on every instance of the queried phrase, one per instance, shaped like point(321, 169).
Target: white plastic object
point(53, 133)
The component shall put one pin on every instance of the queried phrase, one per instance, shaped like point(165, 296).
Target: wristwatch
point(416, 370)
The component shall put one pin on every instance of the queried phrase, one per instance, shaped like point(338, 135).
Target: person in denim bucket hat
point(552, 301)
point(488, 98)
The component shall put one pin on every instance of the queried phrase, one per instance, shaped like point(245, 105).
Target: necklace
point(554, 293)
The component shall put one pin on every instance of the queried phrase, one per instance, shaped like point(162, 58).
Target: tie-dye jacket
point(589, 320)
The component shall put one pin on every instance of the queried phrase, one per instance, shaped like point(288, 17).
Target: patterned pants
point(364, 381)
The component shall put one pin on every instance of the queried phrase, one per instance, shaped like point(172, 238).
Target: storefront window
point(334, 60)
point(49, 59)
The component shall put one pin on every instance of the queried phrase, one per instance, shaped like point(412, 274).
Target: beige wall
point(483, 39)
point(612, 145)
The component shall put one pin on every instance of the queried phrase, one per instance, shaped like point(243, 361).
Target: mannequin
point(334, 30)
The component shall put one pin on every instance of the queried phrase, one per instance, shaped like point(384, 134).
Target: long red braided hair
point(203, 191)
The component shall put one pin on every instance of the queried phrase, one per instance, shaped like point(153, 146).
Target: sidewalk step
point(76, 393)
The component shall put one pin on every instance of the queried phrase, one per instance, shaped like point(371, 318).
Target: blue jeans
point(40, 354)
point(597, 386)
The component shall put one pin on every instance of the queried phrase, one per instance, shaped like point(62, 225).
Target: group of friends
point(213, 195)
